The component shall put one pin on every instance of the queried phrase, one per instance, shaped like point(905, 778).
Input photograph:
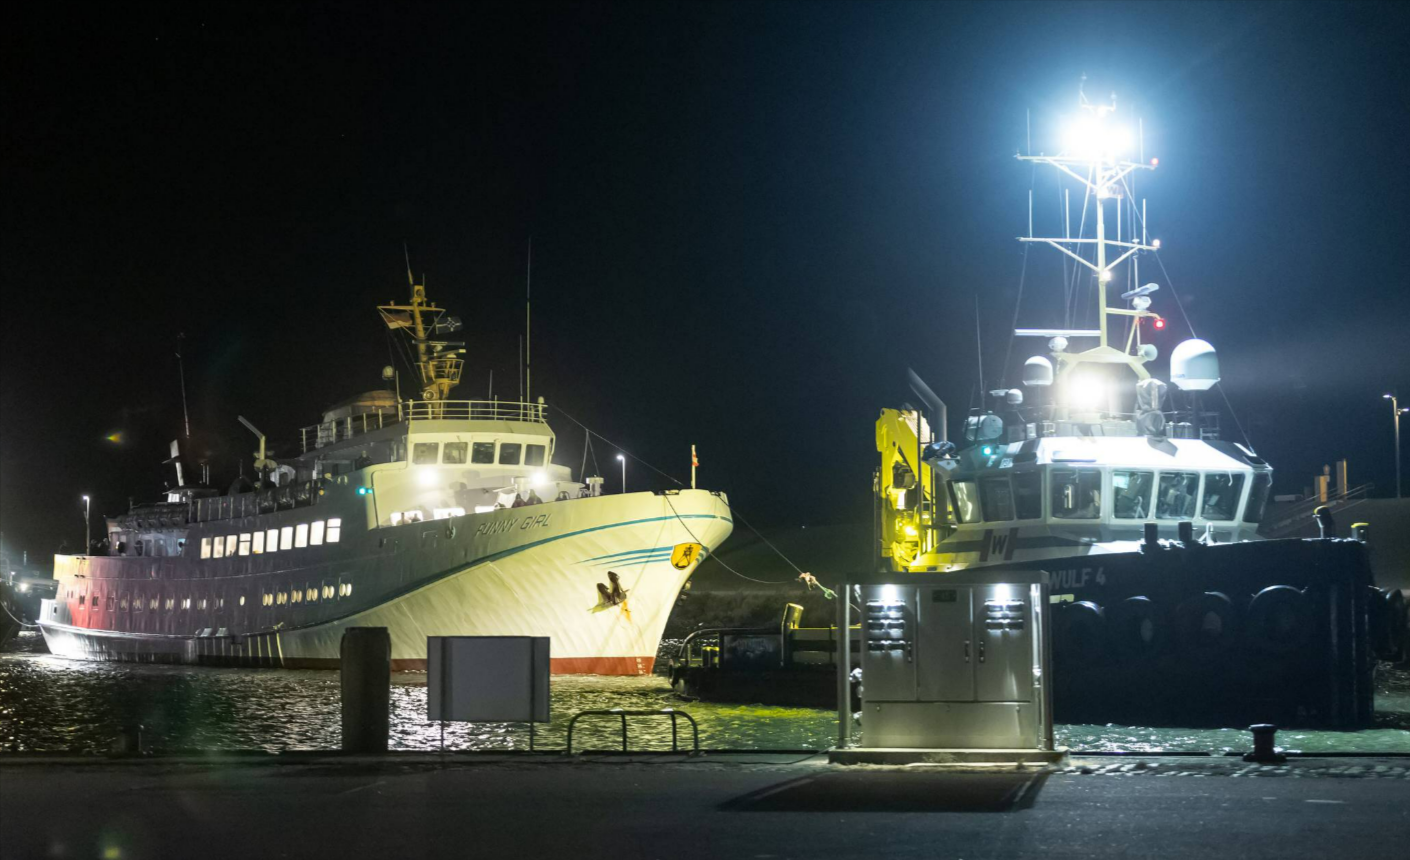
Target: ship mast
point(438, 362)
point(1093, 155)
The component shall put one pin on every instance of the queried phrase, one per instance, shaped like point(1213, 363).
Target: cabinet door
point(945, 648)
point(1003, 628)
point(888, 650)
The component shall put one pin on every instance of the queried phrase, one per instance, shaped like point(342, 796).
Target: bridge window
point(482, 452)
point(965, 500)
point(1222, 491)
point(996, 498)
point(1258, 497)
point(425, 453)
point(271, 540)
point(205, 547)
point(258, 543)
point(244, 543)
point(1175, 498)
point(533, 454)
point(1076, 493)
point(509, 453)
point(1028, 495)
point(301, 535)
point(454, 453)
point(1131, 494)
point(335, 529)
point(315, 534)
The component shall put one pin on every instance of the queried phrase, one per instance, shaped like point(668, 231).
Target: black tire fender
point(1137, 628)
point(1081, 632)
point(1279, 619)
point(1207, 623)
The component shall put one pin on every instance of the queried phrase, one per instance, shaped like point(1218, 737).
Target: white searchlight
point(1194, 365)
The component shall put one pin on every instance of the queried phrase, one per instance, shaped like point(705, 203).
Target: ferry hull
point(482, 578)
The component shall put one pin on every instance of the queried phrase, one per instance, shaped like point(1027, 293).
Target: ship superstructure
point(429, 517)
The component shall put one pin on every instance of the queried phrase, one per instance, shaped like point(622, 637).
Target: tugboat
point(429, 517)
point(1168, 609)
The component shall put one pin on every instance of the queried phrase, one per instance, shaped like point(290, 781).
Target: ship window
point(966, 501)
point(509, 453)
point(218, 548)
point(244, 543)
point(220, 604)
point(1258, 497)
point(203, 603)
point(271, 540)
point(1076, 493)
point(1222, 491)
point(296, 596)
point(122, 604)
point(152, 604)
point(301, 535)
point(1176, 496)
point(242, 600)
point(181, 546)
point(286, 537)
point(425, 453)
point(335, 528)
point(81, 598)
point(315, 534)
point(230, 544)
point(312, 594)
point(533, 454)
point(205, 547)
point(140, 544)
point(170, 603)
point(1131, 494)
point(482, 452)
point(455, 453)
point(996, 498)
point(283, 598)
point(257, 545)
point(1028, 495)
point(185, 603)
point(112, 603)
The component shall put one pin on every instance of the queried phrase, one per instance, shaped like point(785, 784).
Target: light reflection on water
point(52, 704)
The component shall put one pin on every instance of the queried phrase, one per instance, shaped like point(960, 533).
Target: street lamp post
point(623, 460)
point(1396, 412)
point(87, 529)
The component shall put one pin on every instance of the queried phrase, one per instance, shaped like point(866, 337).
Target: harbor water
point(50, 704)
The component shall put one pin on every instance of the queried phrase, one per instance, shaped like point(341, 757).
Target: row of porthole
point(310, 594)
point(326, 592)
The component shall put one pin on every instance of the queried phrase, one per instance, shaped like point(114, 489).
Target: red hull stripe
point(558, 665)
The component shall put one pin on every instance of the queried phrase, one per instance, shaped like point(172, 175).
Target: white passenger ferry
point(431, 517)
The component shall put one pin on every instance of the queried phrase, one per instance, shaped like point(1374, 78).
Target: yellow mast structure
point(437, 362)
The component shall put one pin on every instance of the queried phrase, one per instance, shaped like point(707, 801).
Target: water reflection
point(51, 704)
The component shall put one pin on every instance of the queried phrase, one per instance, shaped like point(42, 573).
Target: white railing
point(352, 426)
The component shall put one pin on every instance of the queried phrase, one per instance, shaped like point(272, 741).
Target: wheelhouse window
point(425, 453)
point(454, 453)
point(996, 498)
point(1176, 496)
point(482, 452)
point(1028, 495)
point(230, 544)
point(1076, 493)
point(509, 453)
point(335, 529)
point(534, 454)
point(1258, 497)
point(1221, 495)
point(244, 543)
point(965, 498)
point(218, 548)
point(1131, 494)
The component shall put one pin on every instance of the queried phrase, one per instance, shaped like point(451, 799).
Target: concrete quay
point(713, 806)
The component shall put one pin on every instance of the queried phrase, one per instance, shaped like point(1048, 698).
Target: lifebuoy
point(1279, 619)
point(1081, 632)
point(1206, 624)
point(1137, 628)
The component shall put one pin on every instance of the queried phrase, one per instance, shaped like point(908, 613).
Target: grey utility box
point(957, 661)
point(487, 679)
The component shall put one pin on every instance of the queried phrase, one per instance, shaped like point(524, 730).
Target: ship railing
point(1299, 515)
point(352, 426)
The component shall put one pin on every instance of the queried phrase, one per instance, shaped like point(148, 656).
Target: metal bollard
point(129, 740)
point(365, 657)
point(1152, 535)
point(1360, 531)
point(1186, 531)
point(1264, 736)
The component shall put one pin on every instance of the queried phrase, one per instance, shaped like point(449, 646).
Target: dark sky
point(747, 220)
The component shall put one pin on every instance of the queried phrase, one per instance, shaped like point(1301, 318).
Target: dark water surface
point(52, 704)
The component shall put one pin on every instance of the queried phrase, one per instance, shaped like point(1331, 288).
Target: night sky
point(747, 221)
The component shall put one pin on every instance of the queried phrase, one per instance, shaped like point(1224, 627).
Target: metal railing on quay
point(623, 714)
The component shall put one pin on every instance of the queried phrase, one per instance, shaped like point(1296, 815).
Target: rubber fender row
point(1278, 621)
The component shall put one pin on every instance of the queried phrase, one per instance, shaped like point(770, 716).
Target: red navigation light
point(1159, 323)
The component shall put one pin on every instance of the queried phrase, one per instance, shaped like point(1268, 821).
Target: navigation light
point(364, 491)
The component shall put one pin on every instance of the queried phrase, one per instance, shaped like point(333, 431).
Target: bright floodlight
point(1086, 392)
point(1089, 137)
point(620, 457)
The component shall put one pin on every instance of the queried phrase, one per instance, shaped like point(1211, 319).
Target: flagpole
point(693, 463)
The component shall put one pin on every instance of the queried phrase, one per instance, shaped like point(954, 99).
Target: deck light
point(364, 491)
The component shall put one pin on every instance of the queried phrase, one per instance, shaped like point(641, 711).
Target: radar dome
point(1194, 366)
point(1037, 371)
